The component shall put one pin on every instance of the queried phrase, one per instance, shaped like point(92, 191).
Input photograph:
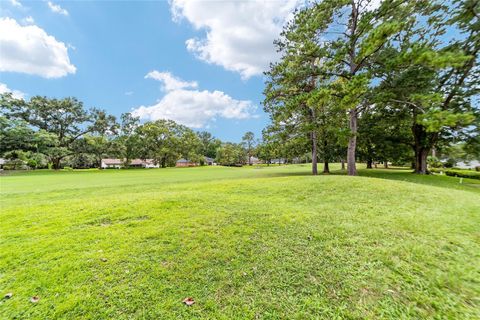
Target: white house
point(118, 163)
point(111, 163)
point(468, 165)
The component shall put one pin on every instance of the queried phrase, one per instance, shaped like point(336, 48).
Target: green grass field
point(245, 243)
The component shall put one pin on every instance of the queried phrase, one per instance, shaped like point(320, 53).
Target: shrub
point(463, 174)
point(449, 163)
point(433, 162)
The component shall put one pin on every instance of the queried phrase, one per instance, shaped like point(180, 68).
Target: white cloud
point(15, 3)
point(170, 82)
point(194, 108)
point(57, 9)
point(239, 34)
point(15, 93)
point(29, 49)
point(28, 20)
point(128, 93)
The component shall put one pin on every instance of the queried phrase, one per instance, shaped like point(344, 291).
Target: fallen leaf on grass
point(103, 259)
point(188, 301)
point(8, 295)
point(34, 299)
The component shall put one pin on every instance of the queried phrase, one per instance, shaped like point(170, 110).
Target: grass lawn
point(245, 243)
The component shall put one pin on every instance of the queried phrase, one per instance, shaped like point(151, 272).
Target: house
point(149, 163)
point(278, 161)
point(253, 160)
point(111, 163)
point(2, 162)
point(185, 163)
point(140, 163)
point(134, 163)
point(209, 161)
point(468, 165)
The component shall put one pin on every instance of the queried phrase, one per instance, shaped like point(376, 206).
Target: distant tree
point(165, 141)
point(15, 134)
point(158, 141)
point(433, 76)
point(99, 146)
point(65, 118)
point(190, 145)
point(384, 135)
point(209, 144)
point(248, 142)
point(230, 154)
point(127, 144)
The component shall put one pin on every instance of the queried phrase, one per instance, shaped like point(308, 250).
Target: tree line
point(391, 83)
point(45, 132)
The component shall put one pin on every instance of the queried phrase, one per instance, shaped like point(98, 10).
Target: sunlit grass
point(266, 242)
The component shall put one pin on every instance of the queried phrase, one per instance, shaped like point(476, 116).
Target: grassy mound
point(242, 242)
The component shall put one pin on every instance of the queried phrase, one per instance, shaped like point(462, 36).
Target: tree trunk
point(326, 169)
point(56, 163)
point(352, 143)
point(314, 153)
point(369, 163)
point(164, 162)
point(342, 161)
point(385, 164)
point(421, 160)
point(249, 160)
point(422, 147)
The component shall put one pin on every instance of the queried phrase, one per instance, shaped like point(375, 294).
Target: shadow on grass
point(399, 174)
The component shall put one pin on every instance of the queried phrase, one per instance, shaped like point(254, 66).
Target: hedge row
point(458, 173)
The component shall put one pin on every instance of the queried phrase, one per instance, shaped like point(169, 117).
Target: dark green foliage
point(231, 154)
point(461, 173)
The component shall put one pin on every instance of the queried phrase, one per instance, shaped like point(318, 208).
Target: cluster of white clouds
point(169, 81)
point(28, 20)
point(185, 104)
point(53, 7)
point(239, 34)
point(57, 9)
point(29, 49)
point(15, 3)
point(15, 93)
point(239, 37)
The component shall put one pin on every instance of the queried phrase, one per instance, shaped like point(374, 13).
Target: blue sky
point(206, 58)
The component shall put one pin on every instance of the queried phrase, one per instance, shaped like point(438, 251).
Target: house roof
point(136, 162)
point(183, 161)
point(112, 161)
point(132, 162)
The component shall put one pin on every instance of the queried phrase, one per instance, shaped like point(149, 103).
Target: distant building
point(253, 160)
point(111, 163)
point(147, 163)
point(468, 165)
point(185, 163)
point(209, 161)
point(119, 163)
point(278, 161)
